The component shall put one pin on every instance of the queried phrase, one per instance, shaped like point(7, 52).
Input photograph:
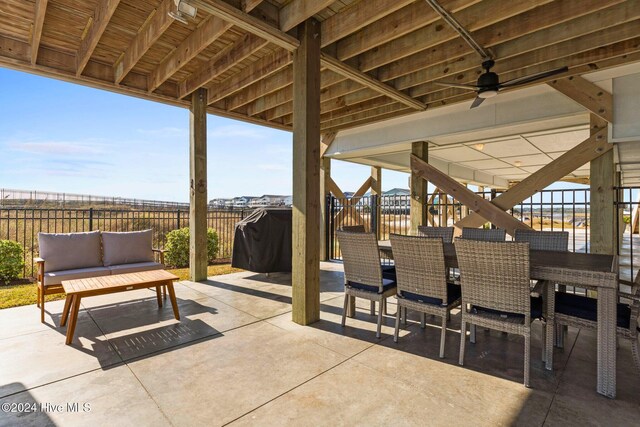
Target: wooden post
point(602, 209)
point(376, 190)
point(198, 186)
point(418, 208)
point(306, 175)
point(325, 174)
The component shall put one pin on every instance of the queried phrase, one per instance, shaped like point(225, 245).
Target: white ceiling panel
point(509, 148)
point(505, 171)
point(560, 141)
point(458, 154)
point(530, 160)
point(486, 164)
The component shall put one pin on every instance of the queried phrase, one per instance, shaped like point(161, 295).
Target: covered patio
point(236, 358)
point(355, 81)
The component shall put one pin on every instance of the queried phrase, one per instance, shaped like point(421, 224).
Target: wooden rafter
point(101, 17)
point(259, 69)
point(266, 85)
point(230, 56)
point(198, 40)
point(587, 94)
point(589, 149)
point(38, 24)
point(146, 37)
point(461, 193)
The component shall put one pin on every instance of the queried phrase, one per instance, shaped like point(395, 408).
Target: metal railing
point(628, 225)
point(23, 225)
point(566, 210)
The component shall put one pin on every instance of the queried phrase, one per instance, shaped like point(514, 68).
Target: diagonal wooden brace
point(339, 217)
point(589, 149)
point(465, 196)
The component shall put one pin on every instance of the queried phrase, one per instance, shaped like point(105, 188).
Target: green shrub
point(177, 247)
point(11, 260)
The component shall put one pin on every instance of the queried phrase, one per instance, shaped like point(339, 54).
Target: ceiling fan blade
point(458, 85)
point(533, 77)
point(477, 102)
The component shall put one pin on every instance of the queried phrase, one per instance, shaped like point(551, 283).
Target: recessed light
point(478, 147)
point(517, 163)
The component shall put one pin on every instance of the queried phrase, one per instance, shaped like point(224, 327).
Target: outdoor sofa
point(68, 256)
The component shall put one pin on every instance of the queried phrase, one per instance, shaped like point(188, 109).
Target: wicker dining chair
point(484, 234)
point(363, 276)
point(422, 280)
point(354, 228)
point(582, 312)
point(446, 233)
point(495, 287)
point(557, 241)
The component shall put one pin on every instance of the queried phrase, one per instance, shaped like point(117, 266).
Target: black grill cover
point(262, 241)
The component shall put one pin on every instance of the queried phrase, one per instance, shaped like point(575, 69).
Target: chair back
point(557, 241)
point(495, 275)
point(361, 258)
point(420, 266)
point(354, 228)
point(445, 233)
point(484, 234)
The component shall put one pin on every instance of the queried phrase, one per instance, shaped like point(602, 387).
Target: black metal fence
point(566, 210)
point(23, 225)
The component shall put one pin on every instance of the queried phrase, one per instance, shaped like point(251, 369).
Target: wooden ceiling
point(380, 57)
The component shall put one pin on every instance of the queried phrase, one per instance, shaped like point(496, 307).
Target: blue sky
point(57, 136)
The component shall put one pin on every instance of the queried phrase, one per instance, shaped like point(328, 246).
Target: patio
point(236, 357)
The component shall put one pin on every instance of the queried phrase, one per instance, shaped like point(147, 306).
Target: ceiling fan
point(488, 84)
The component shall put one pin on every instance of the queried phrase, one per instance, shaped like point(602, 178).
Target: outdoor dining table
point(591, 271)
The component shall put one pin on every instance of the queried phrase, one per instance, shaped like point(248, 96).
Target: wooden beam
point(587, 94)
point(305, 278)
point(297, 11)
point(333, 188)
point(602, 210)
point(101, 17)
point(325, 176)
point(266, 86)
point(462, 194)
point(247, 22)
point(404, 20)
point(436, 33)
point(223, 61)
point(357, 16)
point(249, 5)
point(38, 23)
point(418, 207)
point(589, 149)
point(366, 80)
point(154, 27)
point(198, 192)
point(209, 30)
point(260, 69)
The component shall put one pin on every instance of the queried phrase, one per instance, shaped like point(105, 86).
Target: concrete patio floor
point(236, 358)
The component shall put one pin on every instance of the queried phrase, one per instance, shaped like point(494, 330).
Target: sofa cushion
point(56, 277)
point(127, 248)
point(135, 267)
point(69, 251)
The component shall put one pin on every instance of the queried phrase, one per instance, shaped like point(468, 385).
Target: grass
point(25, 292)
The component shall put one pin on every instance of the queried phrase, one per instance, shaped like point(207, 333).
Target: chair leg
point(423, 320)
point(379, 322)
point(38, 299)
point(472, 335)
point(397, 331)
point(384, 306)
point(559, 335)
point(373, 308)
point(527, 359)
point(443, 336)
point(404, 316)
point(463, 338)
point(42, 295)
point(544, 343)
point(344, 311)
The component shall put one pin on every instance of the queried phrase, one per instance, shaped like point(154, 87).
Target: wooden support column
point(376, 190)
point(198, 186)
point(306, 175)
point(325, 190)
point(418, 208)
point(602, 209)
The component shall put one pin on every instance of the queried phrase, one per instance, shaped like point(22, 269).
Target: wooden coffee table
point(80, 288)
